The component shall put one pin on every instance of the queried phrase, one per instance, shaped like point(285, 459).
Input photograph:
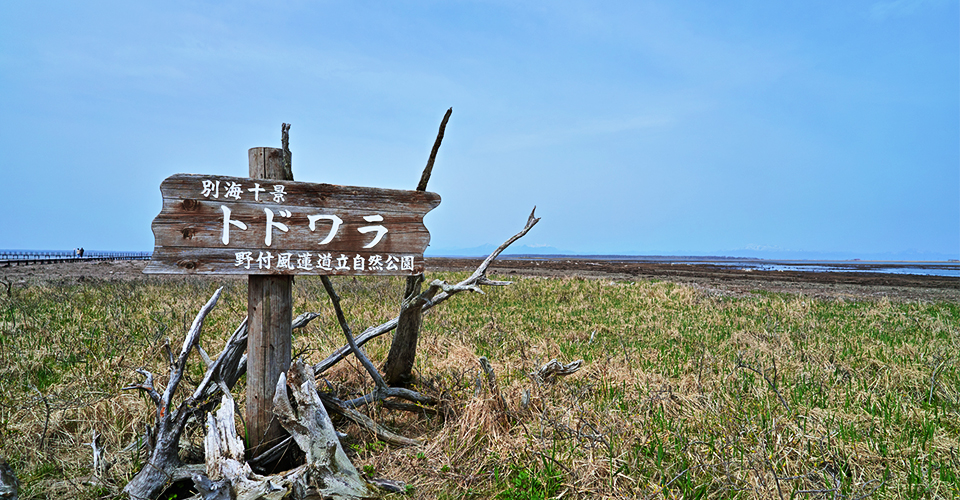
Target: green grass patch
point(683, 394)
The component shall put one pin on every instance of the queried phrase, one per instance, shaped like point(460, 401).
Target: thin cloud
point(590, 128)
point(898, 8)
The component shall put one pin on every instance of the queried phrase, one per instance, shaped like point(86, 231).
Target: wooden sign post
point(271, 228)
point(269, 337)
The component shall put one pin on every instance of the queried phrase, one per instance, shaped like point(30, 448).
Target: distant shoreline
point(737, 279)
point(678, 258)
point(555, 256)
point(725, 279)
point(947, 268)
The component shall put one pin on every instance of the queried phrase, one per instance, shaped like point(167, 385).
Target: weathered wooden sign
point(234, 225)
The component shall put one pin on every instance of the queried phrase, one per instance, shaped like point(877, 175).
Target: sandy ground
point(711, 279)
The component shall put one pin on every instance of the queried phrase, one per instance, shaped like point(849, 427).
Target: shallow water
point(925, 269)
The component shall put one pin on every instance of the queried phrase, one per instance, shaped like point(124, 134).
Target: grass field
point(683, 393)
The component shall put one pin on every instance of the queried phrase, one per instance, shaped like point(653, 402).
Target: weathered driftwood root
point(164, 440)
point(163, 465)
point(327, 472)
point(9, 485)
point(313, 432)
point(553, 369)
point(226, 467)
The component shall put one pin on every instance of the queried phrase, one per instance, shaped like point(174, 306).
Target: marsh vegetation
point(683, 393)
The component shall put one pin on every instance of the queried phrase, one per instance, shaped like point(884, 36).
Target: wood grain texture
point(269, 313)
point(269, 309)
point(193, 219)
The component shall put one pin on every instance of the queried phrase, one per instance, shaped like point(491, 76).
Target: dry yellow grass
point(682, 394)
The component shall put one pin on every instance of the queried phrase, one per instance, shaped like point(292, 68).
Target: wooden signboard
point(233, 225)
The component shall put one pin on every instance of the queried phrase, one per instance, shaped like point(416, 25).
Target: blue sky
point(675, 127)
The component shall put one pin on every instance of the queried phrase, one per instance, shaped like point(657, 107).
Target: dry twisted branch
point(163, 464)
point(436, 294)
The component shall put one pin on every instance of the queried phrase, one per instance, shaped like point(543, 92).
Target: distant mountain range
point(753, 253)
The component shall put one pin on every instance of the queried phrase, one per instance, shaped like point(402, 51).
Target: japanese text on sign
point(323, 261)
point(211, 189)
point(212, 224)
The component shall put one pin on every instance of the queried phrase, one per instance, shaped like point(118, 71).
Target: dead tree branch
point(287, 155)
point(164, 459)
point(553, 369)
point(231, 364)
point(398, 368)
point(438, 292)
point(339, 407)
point(381, 391)
point(425, 176)
point(347, 332)
point(771, 383)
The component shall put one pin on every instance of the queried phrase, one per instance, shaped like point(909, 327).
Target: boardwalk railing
point(17, 257)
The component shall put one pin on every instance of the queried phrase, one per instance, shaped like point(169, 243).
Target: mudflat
point(712, 279)
point(729, 280)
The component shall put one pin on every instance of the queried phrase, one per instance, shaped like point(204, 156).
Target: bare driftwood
point(9, 485)
point(438, 292)
point(164, 439)
point(226, 473)
point(381, 391)
point(313, 431)
point(435, 294)
point(327, 472)
point(398, 368)
point(336, 406)
point(553, 369)
point(163, 465)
